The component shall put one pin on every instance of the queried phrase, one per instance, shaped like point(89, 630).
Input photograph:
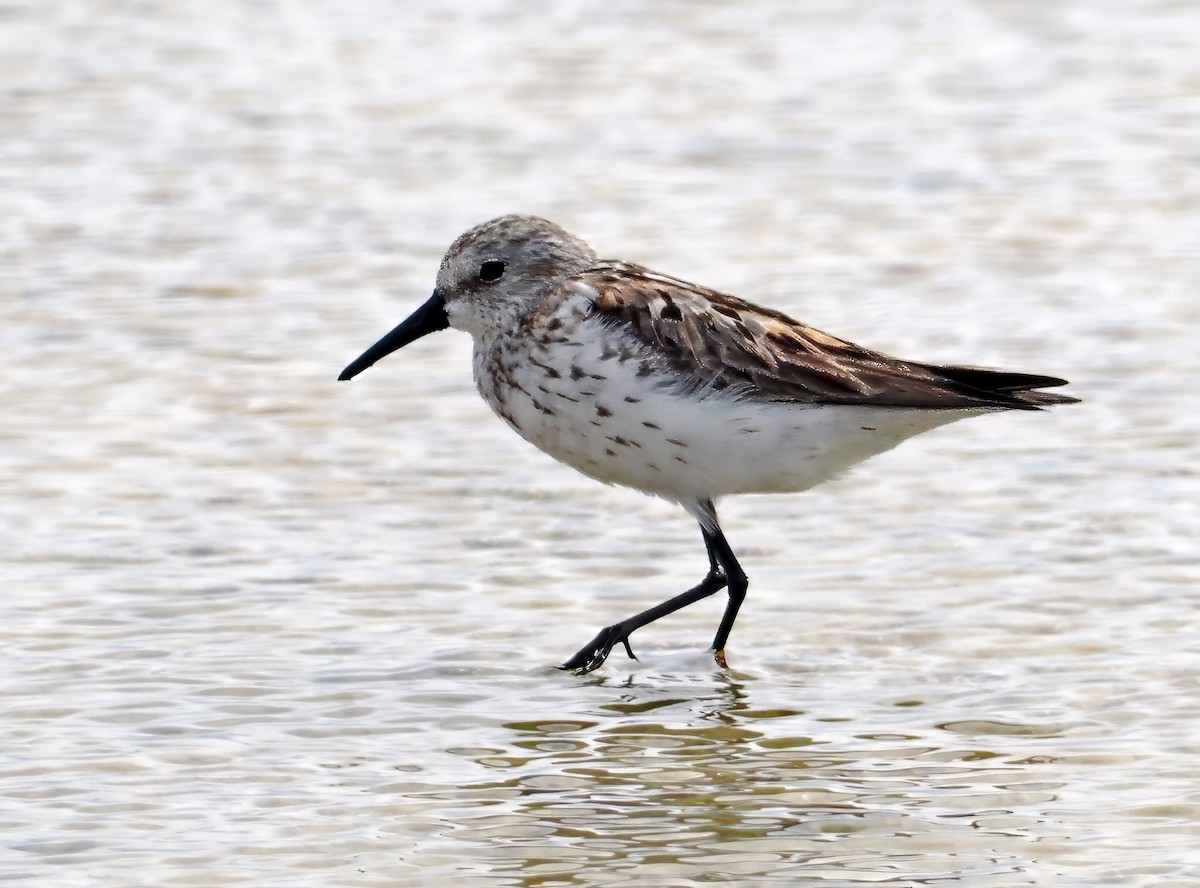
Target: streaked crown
point(496, 272)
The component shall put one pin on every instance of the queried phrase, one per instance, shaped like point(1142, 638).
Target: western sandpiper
point(644, 380)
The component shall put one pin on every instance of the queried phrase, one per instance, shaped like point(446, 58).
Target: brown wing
point(718, 339)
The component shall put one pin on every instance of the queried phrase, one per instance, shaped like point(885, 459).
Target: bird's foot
point(596, 651)
point(719, 656)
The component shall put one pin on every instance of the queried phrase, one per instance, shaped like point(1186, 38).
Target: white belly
point(637, 429)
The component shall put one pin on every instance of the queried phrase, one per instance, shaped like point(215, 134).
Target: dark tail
point(1017, 390)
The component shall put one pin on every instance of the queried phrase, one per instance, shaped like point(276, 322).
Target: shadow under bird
point(640, 379)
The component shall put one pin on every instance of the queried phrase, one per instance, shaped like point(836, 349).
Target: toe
point(593, 655)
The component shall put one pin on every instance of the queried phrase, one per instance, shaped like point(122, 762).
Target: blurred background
point(259, 627)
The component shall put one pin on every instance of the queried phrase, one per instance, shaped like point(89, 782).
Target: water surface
point(263, 628)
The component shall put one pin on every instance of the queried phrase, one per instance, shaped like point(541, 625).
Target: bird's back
point(721, 340)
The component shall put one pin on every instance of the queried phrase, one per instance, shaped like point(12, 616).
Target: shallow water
point(263, 628)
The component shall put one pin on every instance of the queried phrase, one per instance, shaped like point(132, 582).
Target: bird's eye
point(492, 270)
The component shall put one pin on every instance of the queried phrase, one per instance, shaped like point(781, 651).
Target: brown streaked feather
point(716, 339)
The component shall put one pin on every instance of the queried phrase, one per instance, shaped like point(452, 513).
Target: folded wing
point(718, 340)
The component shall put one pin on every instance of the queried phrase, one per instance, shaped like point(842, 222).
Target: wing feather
point(715, 340)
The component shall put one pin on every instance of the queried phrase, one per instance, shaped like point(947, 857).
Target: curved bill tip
point(429, 318)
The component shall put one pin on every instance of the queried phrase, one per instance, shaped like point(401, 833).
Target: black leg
point(738, 584)
point(723, 569)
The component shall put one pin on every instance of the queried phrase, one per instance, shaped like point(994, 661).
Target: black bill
point(429, 318)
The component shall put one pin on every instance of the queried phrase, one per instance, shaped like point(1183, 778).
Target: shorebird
point(644, 380)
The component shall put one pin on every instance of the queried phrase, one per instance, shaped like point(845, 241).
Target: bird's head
point(490, 277)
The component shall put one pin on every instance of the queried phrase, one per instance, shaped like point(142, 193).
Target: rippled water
point(262, 628)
